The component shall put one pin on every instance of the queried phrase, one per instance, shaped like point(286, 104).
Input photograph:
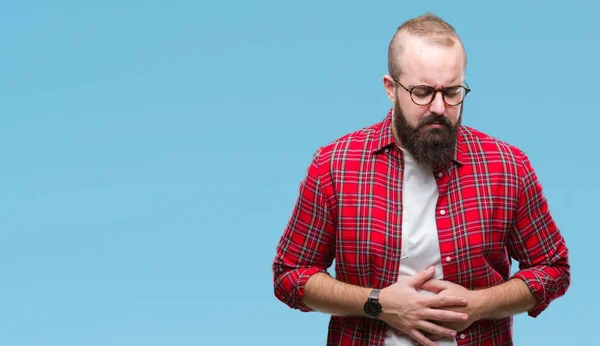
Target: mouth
point(433, 126)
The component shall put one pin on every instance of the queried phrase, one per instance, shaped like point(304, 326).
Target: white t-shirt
point(420, 242)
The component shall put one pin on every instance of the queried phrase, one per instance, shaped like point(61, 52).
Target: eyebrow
point(426, 85)
point(423, 83)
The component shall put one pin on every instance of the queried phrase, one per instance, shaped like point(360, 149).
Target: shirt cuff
point(536, 285)
point(299, 292)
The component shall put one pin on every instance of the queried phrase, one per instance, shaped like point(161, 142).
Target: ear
point(389, 85)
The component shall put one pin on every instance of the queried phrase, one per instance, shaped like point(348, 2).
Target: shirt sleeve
point(307, 244)
point(537, 244)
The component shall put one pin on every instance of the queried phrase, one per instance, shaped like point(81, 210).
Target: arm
point(510, 298)
point(536, 243)
point(308, 242)
point(326, 294)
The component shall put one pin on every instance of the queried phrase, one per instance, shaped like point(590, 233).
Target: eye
point(422, 91)
point(453, 91)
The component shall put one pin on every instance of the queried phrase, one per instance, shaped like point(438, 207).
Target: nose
point(438, 106)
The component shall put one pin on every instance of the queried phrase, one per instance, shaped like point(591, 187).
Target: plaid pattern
point(490, 209)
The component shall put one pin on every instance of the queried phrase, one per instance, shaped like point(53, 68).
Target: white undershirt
point(420, 243)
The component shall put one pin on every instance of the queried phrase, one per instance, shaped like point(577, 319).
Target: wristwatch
point(372, 307)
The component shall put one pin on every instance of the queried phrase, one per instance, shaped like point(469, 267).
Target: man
point(422, 216)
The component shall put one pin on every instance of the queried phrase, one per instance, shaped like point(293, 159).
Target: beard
point(433, 147)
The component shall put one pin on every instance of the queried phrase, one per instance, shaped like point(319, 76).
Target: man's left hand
point(474, 298)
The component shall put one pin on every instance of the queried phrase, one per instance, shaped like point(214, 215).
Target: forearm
point(328, 295)
point(508, 299)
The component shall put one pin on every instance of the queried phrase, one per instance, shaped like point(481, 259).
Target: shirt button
point(442, 212)
point(462, 336)
point(440, 174)
point(448, 259)
point(387, 150)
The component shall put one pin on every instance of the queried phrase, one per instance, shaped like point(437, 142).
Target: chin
point(437, 132)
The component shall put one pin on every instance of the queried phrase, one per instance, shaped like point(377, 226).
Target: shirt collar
point(384, 138)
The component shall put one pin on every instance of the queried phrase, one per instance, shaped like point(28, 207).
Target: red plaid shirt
point(490, 209)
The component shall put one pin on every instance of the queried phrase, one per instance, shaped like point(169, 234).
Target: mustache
point(434, 119)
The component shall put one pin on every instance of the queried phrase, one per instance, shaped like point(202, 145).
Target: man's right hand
point(410, 312)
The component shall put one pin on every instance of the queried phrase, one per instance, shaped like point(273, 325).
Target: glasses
point(423, 95)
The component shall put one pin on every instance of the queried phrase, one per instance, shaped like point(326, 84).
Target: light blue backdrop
point(151, 154)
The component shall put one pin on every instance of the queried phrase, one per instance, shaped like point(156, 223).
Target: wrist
point(384, 304)
point(482, 303)
point(372, 307)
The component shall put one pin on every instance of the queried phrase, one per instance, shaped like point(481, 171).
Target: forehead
point(433, 64)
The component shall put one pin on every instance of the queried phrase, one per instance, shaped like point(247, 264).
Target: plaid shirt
point(490, 209)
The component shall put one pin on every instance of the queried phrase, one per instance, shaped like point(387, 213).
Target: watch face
point(372, 308)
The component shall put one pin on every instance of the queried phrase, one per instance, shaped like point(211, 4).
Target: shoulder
point(356, 144)
point(478, 146)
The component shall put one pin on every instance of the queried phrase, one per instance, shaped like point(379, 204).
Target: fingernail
point(430, 269)
point(465, 317)
point(464, 301)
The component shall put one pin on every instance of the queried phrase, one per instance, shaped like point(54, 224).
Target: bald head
point(429, 28)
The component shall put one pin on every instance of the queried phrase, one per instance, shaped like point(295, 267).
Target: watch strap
point(374, 294)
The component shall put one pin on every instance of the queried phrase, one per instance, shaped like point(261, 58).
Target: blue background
point(152, 150)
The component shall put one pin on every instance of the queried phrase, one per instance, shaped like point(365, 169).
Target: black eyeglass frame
point(443, 90)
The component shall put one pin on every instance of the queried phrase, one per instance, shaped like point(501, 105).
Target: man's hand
point(472, 309)
point(410, 312)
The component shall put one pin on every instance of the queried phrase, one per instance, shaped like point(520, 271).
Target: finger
point(419, 278)
point(444, 315)
point(440, 301)
point(420, 338)
point(435, 286)
point(435, 329)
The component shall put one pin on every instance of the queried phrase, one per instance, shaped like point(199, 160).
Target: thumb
point(419, 278)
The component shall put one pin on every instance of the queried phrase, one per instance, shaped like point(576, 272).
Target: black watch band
point(372, 306)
